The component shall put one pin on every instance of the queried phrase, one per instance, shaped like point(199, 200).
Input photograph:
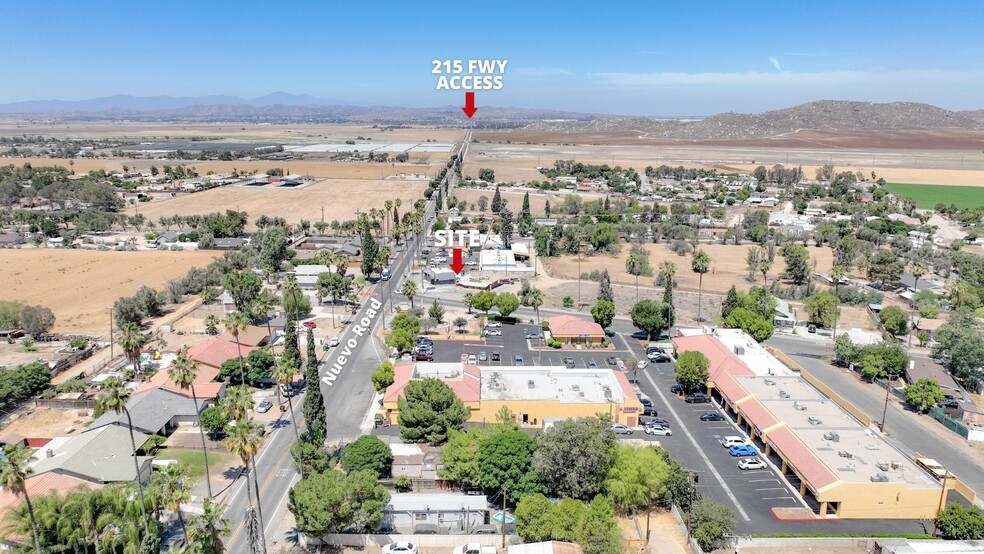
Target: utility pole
point(942, 503)
point(505, 493)
point(690, 480)
point(111, 349)
point(649, 513)
point(881, 426)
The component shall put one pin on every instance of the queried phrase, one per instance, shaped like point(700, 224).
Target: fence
point(782, 357)
point(357, 540)
point(954, 425)
point(864, 418)
point(66, 403)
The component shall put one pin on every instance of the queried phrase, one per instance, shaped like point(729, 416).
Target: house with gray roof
point(234, 243)
point(104, 455)
point(155, 412)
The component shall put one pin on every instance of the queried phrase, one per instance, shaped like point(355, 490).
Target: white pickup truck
point(475, 548)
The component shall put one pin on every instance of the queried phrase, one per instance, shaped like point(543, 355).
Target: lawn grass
point(194, 460)
point(928, 196)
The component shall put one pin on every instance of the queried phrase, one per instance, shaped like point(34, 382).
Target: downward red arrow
point(456, 264)
point(469, 108)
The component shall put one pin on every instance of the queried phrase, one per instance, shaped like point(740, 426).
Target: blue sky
point(632, 58)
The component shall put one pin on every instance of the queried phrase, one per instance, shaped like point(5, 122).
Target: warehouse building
point(533, 394)
point(841, 466)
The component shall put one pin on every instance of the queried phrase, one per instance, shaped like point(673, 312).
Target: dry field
point(727, 266)
point(80, 285)
point(339, 197)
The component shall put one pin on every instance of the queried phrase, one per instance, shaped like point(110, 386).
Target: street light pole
point(942, 503)
point(881, 426)
point(505, 493)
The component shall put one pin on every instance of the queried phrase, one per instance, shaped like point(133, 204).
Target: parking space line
point(700, 452)
point(780, 498)
point(773, 489)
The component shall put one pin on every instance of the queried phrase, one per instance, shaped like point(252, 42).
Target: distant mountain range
point(285, 107)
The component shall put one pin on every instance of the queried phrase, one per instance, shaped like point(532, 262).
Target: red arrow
point(456, 264)
point(469, 108)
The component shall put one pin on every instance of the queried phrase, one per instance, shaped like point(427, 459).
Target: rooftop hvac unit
point(831, 436)
point(879, 478)
point(740, 350)
point(884, 466)
point(531, 384)
point(575, 387)
point(846, 454)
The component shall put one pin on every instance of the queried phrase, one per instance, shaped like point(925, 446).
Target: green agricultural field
point(927, 196)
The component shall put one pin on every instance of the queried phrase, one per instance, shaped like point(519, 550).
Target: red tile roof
point(252, 335)
point(627, 391)
point(45, 484)
point(717, 353)
point(760, 416)
point(811, 468)
point(214, 352)
point(468, 387)
point(572, 326)
point(730, 387)
point(205, 385)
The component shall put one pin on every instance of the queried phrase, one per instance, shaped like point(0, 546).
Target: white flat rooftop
point(588, 386)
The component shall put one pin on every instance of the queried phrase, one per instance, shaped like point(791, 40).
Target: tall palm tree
point(633, 266)
point(243, 441)
point(409, 289)
point(260, 309)
point(388, 205)
point(918, 270)
point(284, 373)
point(114, 396)
point(237, 403)
point(234, 323)
point(172, 486)
point(183, 372)
point(13, 472)
point(700, 263)
point(78, 521)
point(132, 341)
point(208, 528)
point(534, 298)
point(467, 300)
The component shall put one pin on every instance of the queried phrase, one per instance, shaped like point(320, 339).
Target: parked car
point(424, 340)
point(334, 341)
point(675, 388)
point(592, 364)
point(494, 324)
point(483, 356)
point(612, 360)
point(751, 463)
point(645, 401)
point(496, 357)
point(659, 357)
point(400, 548)
point(948, 403)
point(424, 357)
point(533, 334)
point(518, 360)
point(621, 429)
point(493, 332)
point(658, 430)
point(264, 406)
point(641, 364)
point(649, 411)
point(286, 390)
point(569, 362)
point(743, 450)
point(472, 360)
point(732, 440)
point(711, 416)
point(697, 398)
point(656, 421)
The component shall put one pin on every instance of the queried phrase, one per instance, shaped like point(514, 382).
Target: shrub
point(568, 302)
point(403, 483)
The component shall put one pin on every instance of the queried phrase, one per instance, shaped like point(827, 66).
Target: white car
point(400, 548)
point(494, 324)
point(658, 430)
point(733, 440)
point(472, 360)
point(751, 463)
point(493, 332)
point(641, 364)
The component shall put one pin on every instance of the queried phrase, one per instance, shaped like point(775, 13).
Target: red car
point(310, 325)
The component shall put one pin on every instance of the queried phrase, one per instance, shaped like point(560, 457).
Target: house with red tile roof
point(214, 352)
point(571, 329)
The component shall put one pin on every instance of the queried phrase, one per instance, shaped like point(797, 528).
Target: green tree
point(731, 301)
point(605, 291)
point(383, 377)
point(235, 323)
point(274, 247)
point(961, 345)
point(183, 372)
point(507, 303)
point(409, 289)
point(403, 333)
point(314, 405)
point(598, 532)
point(128, 310)
point(370, 253)
point(293, 299)
point(335, 286)
point(114, 397)
point(243, 286)
point(700, 263)
point(428, 409)
point(650, 316)
point(691, 369)
point(207, 529)
point(821, 309)
point(895, 320)
point(758, 327)
point(711, 521)
point(637, 263)
point(961, 524)
point(885, 267)
point(603, 312)
point(213, 420)
point(532, 518)
point(283, 372)
point(506, 462)
point(564, 520)
point(636, 478)
point(923, 394)
point(332, 502)
point(36, 321)
point(14, 469)
point(368, 453)
point(436, 312)
point(484, 300)
point(497, 203)
point(579, 476)
point(132, 341)
point(243, 441)
point(797, 263)
point(171, 488)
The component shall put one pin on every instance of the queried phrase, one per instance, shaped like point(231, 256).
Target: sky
point(624, 57)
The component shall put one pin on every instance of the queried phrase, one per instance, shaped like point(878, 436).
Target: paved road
point(922, 434)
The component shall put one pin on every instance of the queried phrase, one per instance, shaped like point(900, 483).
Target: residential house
point(11, 239)
point(155, 412)
point(570, 329)
point(46, 484)
point(215, 352)
point(414, 461)
point(455, 513)
point(784, 316)
point(169, 237)
point(206, 387)
point(232, 243)
point(253, 335)
point(924, 368)
point(101, 456)
point(307, 275)
point(440, 276)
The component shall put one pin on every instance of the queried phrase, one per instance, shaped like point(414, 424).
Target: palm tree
point(114, 396)
point(234, 323)
point(260, 309)
point(918, 270)
point(837, 273)
point(183, 372)
point(700, 263)
point(243, 441)
point(172, 486)
point(409, 289)
point(467, 300)
point(211, 323)
point(132, 341)
point(388, 205)
point(633, 266)
point(13, 472)
point(208, 529)
point(78, 521)
point(284, 373)
point(534, 298)
point(237, 403)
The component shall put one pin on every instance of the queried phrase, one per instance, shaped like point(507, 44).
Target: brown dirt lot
point(80, 285)
point(340, 198)
point(727, 266)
